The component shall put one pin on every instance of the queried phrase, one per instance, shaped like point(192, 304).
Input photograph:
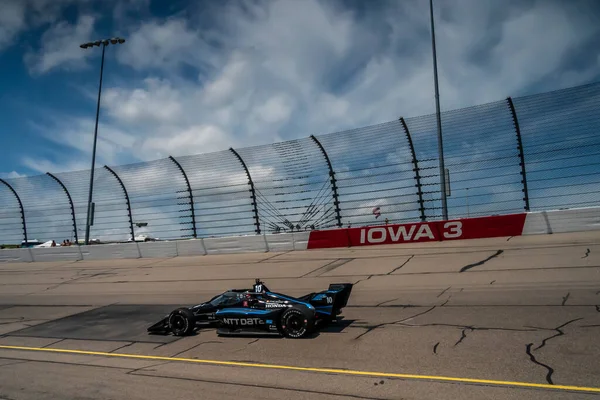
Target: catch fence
point(530, 153)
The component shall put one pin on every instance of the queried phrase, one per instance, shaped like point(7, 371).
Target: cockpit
point(227, 299)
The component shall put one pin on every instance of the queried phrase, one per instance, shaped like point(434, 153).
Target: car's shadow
point(333, 327)
point(338, 326)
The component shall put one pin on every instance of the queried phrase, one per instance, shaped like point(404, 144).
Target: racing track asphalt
point(520, 316)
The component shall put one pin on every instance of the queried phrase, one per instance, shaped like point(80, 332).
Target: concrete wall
point(561, 221)
point(536, 223)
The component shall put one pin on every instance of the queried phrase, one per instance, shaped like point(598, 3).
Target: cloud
point(60, 47)
point(19, 16)
point(158, 103)
point(42, 165)
point(10, 175)
point(161, 45)
point(12, 21)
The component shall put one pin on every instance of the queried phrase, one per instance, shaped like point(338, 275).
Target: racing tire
point(294, 323)
point(181, 322)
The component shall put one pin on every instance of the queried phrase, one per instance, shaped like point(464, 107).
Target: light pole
point(439, 120)
point(98, 43)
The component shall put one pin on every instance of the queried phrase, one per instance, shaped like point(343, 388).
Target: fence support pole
point(252, 191)
point(443, 184)
point(416, 169)
point(70, 203)
point(521, 152)
point(113, 173)
point(187, 182)
point(20, 205)
point(336, 199)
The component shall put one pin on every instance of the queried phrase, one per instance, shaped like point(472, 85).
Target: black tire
point(295, 323)
point(181, 322)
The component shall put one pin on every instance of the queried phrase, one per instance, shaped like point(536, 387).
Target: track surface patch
point(127, 323)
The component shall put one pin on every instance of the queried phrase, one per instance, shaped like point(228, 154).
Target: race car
point(258, 311)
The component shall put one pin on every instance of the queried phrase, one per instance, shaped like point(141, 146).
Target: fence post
point(70, 203)
point(416, 169)
point(187, 181)
point(126, 199)
point(521, 153)
point(252, 191)
point(20, 205)
point(336, 200)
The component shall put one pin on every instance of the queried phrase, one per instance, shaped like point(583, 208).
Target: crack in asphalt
point(492, 282)
point(444, 291)
point(468, 267)
point(164, 344)
point(533, 359)
point(53, 343)
point(472, 328)
point(387, 301)
point(435, 347)
point(122, 347)
point(23, 321)
point(271, 257)
point(133, 371)
point(405, 262)
point(544, 341)
point(463, 335)
point(446, 302)
point(361, 280)
point(560, 333)
point(247, 344)
point(370, 328)
point(598, 308)
point(387, 306)
point(565, 298)
point(79, 276)
point(193, 347)
point(330, 266)
point(587, 253)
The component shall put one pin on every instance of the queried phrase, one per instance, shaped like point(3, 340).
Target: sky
point(203, 76)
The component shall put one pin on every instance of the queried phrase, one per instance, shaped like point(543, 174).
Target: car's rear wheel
point(181, 322)
point(294, 323)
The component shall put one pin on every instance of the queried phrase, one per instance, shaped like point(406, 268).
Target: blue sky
point(198, 77)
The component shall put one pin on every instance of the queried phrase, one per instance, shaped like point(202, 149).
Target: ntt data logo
point(408, 233)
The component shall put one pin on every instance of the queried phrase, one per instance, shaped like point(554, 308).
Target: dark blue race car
point(258, 311)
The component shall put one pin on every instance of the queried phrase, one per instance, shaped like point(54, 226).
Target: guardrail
point(520, 154)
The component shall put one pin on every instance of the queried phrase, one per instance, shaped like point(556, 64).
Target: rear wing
point(332, 300)
point(342, 294)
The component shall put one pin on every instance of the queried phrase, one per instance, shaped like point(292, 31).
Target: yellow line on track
point(307, 369)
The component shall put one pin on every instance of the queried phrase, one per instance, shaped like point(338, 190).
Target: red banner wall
point(459, 229)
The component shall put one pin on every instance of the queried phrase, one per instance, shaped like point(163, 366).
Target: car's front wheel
point(181, 322)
